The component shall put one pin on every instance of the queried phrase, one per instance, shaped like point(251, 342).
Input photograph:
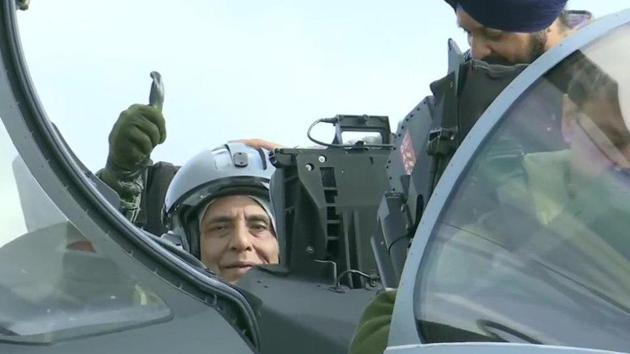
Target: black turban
point(512, 15)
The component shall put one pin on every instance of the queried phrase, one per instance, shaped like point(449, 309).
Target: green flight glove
point(373, 332)
point(137, 132)
point(134, 136)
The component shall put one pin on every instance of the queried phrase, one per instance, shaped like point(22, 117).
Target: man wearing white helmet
point(217, 207)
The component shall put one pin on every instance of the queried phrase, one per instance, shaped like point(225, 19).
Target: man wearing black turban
point(515, 31)
point(504, 32)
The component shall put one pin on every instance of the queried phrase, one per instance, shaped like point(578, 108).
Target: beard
point(539, 42)
point(536, 48)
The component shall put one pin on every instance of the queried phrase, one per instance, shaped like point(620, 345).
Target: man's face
point(499, 47)
point(236, 234)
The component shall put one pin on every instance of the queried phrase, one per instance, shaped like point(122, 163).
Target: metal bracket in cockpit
point(325, 201)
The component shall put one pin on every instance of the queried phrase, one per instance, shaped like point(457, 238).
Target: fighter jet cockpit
point(247, 177)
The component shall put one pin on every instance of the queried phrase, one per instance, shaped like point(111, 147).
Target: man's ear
point(569, 115)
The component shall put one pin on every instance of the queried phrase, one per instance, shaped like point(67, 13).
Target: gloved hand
point(138, 130)
point(23, 4)
point(373, 331)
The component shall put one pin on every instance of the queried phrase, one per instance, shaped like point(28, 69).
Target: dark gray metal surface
point(303, 316)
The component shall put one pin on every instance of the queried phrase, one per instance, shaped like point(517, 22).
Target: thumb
point(156, 96)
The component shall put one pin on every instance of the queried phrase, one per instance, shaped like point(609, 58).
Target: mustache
point(537, 48)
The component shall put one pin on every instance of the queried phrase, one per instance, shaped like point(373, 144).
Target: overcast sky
point(235, 69)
